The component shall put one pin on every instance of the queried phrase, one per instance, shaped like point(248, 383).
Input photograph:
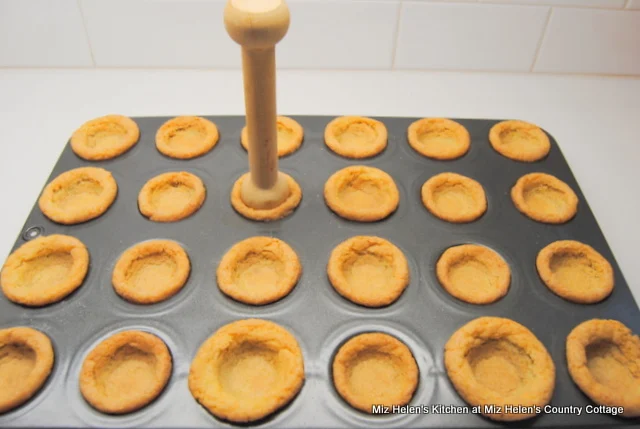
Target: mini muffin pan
point(424, 317)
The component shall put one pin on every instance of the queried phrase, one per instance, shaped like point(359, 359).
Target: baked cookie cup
point(44, 270)
point(356, 137)
point(360, 193)
point(171, 197)
point(186, 137)
point(125, 372)
point(290, 136)
point(259, 270)
point(375, 369)
point(473, 274)
point(438, 138)
point(284, 209)
point(603, 357)
point(454, 198)
point(368, 270)
point(78, 195)
point(544, 198)
point(151, 272)
point(496, 361)
point(26, 360)
point(575, 271)
point(105, 137)
point(247, 370)
point(519, 140)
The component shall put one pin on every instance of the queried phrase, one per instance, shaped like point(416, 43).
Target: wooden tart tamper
point(257, 25)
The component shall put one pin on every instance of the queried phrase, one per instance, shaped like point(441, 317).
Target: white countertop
point(595, 120)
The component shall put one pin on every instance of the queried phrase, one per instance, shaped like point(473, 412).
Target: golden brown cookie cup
point(247, 370)
point(125, 372)
point(520, 141)
point(438, 138)
point(259, 270)
point(575, 271)
point(283, 210)
point(473, 274)
point(171, 197)
point(544, 198)
point(290, 136)
point(496, 361)
point(45, 270)
point(186, 137)
point(26, 360)
point(603, 357)
point(454, 198)
point(151, 272)
point(356, 137)
point(78, 195)
point(360, 193)
point(368, 270)
point(375, 369)
point(105, 137)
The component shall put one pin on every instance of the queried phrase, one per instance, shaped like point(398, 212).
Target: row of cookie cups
point(173, 196)
point(401, 274)
point(354, 137)
point(420, 392)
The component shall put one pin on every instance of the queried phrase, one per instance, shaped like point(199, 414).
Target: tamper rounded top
point(256, 24)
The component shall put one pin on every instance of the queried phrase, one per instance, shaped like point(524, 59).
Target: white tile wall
point(591, 41)
point(553, 36)
point(608, 4)
point(339, 34)
point(42, 33)
point(633, 4)
point(153, 33)
point(469, 37)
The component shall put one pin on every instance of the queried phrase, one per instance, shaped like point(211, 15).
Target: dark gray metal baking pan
point(424, 317)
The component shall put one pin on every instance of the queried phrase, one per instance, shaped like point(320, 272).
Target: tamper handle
point(257, 25)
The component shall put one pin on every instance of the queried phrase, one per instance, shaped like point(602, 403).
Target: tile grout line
point(535, 4)
point(541, 41)
point(86, 33)
point(107, 69)
point(394, 48)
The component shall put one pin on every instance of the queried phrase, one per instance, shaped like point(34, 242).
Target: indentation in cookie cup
point(420, 130)
point(208, 137)
point(337, 300)
point(490, 217)
point(345, 185)
point(257, 263)
point(602, 358)
point(376, 138)
point(461, 265)
point(151, 254)
point(380, 227)
point(534, 193)
point(476, 349)
point(126, 309)
point(153, 196)
point(94, 417)
point(531, 152)
point(436, 195)
point(127, 129)
point(431, 287)
point(292, 407)
point(80, 271)
point(334, 403)
point(575, 272)
point(89, 180)
point(53, 331)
